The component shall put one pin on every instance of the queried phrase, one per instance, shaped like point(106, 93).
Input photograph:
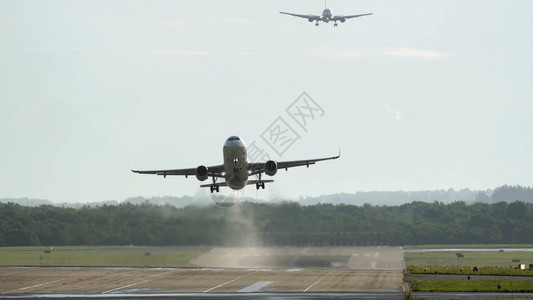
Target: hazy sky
point(421, 95)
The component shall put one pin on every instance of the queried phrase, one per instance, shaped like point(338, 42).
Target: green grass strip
point(151, 259)
point(514, 286)
point(467, 269)
point(472, 246)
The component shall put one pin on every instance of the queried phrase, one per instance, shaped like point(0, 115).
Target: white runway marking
point(293, 270)
point(35, 285)
point(123, 287)
point(223, 284)
point(374, 264)
point(376, 254)
point(318, 281)
point(255, 287)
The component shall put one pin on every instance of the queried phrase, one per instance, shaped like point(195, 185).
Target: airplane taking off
point(325, 17)
point(236, 168)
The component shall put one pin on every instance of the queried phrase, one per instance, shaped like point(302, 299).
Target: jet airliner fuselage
point(235, 163)
point(326, 15)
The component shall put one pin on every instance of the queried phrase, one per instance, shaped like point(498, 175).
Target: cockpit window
point(234, 138)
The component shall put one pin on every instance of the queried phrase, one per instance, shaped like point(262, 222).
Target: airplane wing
point(216, 171)
point(258, 168)
point(338, 18)
point(312, 17)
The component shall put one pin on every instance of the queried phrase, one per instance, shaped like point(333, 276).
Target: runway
point(238, 271)
point(152, 280)
point(359, 258)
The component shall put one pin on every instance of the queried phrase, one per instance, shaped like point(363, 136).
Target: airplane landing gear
point(316, 24)
point(259, 184)
point(335, 25)
point(214, 186)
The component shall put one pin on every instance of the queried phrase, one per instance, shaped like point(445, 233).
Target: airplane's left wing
point(216, 171)
point(309, 17)
point(304, 162)
point(340, 18)
point(258, 168)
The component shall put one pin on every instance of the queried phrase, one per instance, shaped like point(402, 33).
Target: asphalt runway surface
point(236, 273)
point(359, 258)
point(239, 271)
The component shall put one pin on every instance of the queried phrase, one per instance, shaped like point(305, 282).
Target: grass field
point(518, 286)
point(524, 256)
point(43, 248)
point(472, 246)
point(98, 256)
point(488, 262)
point(467, 269)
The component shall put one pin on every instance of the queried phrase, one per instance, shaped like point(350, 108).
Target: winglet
point(338, 155)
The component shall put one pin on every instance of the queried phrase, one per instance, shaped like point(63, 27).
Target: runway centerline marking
point(256, 287)
point(223, 284)
point(35, 285)
point(123, 287)
point(318, 280)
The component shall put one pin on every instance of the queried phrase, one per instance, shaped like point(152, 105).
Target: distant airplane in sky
point(325, 17)
point(236, 168)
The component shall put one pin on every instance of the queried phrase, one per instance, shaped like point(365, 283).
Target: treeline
point(507, 193)
point(268, 224)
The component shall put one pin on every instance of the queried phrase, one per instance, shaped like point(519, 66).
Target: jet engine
point(310, 19)
point(342, 20)
point(201, 173)
point(271, 168)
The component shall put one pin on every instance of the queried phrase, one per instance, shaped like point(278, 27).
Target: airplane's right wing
point(309, 17)
point(212, 171)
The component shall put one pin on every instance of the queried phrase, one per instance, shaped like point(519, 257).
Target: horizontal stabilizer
point(216, 184)
point(226, 184)
point(256, 181)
